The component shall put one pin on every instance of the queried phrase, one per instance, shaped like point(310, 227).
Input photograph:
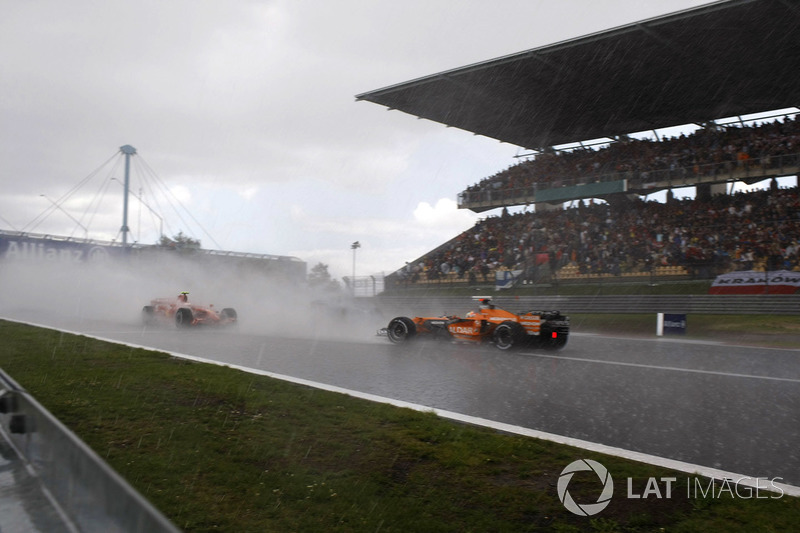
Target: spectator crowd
point(705, 235)
point(707, 151)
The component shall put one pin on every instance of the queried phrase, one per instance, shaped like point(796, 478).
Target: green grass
point(216, 449)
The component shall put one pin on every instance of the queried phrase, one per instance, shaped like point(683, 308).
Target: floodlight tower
point(128, 150)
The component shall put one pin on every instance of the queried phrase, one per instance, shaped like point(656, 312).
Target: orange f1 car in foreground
point(184, 314)
point(537, 329)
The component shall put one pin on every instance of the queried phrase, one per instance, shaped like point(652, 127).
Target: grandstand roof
point(724, 59)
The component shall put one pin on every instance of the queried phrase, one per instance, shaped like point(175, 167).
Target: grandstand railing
point(640, 182)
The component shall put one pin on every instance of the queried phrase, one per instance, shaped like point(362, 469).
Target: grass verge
point(216, 449)
point(777, 331)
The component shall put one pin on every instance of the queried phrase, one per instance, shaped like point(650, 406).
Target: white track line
point(668, 368)
point(678, 340)
point(679, 466)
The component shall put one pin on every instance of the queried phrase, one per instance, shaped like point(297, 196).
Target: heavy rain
point(618, 280)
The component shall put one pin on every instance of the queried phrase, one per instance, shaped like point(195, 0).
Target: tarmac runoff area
point(737, 371)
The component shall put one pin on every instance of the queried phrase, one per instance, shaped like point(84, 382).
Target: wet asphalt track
point(728, 407)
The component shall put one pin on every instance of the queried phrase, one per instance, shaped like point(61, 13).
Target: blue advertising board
point(672, 323)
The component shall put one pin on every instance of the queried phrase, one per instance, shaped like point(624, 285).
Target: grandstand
point(589, 112)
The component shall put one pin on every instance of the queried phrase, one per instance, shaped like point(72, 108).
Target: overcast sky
point(245, 110)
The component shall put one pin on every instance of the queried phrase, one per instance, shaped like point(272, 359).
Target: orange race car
point(185, 314)
point(540, 329)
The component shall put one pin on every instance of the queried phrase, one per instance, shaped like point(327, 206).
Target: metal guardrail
point(691, 304)
point(59, 482)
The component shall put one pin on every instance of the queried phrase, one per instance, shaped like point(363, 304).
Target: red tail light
point(555, 335)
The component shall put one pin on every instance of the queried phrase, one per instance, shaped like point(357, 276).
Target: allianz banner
point(756, 282)
point(20, 248)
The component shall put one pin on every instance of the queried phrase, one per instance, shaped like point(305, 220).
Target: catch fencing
point(690, 304)
point(364, 286)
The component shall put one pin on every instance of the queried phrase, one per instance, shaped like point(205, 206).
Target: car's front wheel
point(401, 329)
point(183, 317)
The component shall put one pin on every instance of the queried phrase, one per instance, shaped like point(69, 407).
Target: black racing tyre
point(401, 329)
point(183, 317)
point(148, 315)
point(509, 335)
point(229, 312)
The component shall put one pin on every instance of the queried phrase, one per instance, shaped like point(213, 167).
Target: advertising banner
point(671, 324)
point(20, 248)
point(756, 282)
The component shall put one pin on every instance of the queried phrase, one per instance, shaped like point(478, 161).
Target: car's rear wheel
point(401, 329)
point(509, 335)
point(183, 317)
point(555, 343)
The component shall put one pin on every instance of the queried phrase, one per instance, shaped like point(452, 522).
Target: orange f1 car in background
point(185, 314)
point(539, 329)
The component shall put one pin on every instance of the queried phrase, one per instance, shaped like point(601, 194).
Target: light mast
point(128, 150)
